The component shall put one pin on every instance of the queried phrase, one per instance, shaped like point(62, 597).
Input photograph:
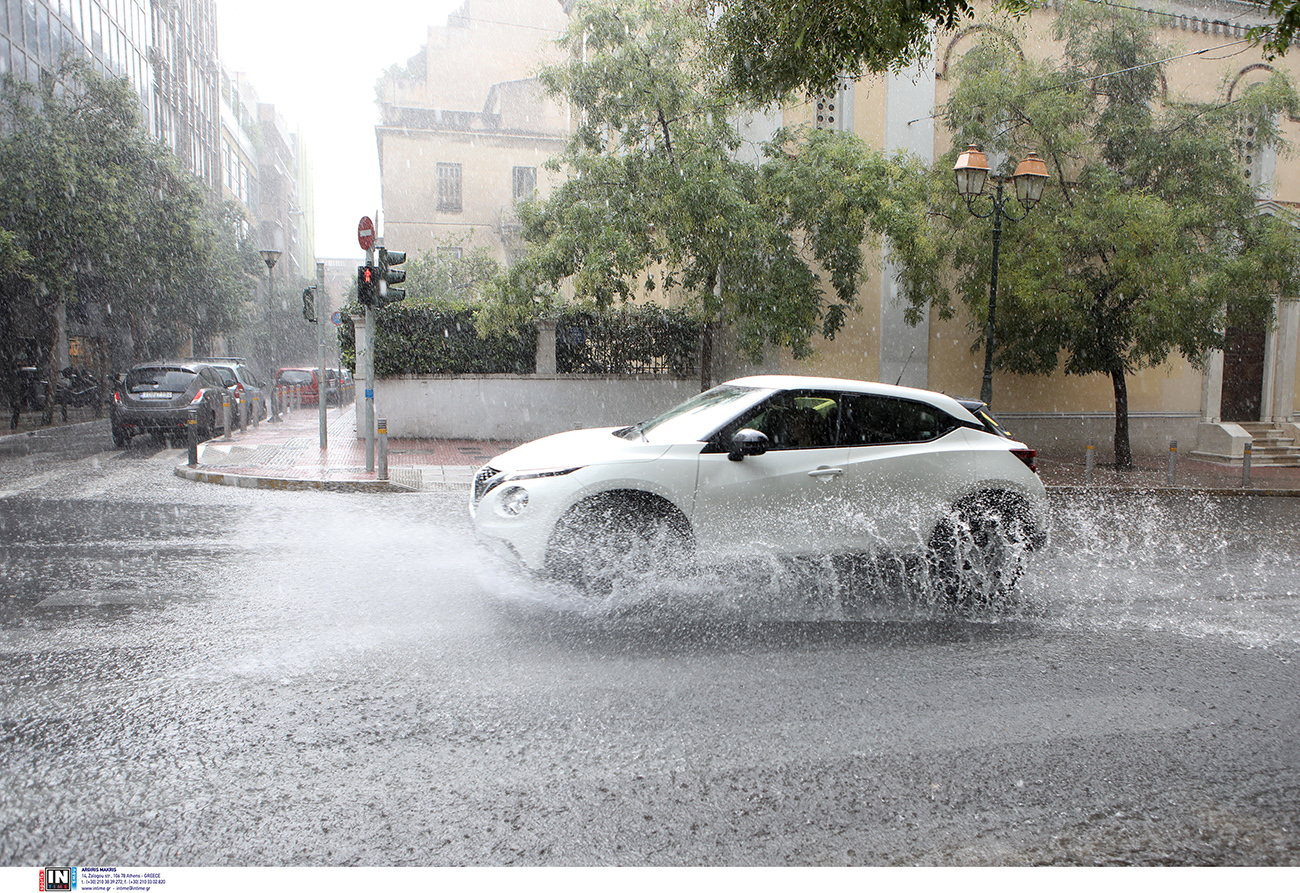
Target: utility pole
point(320, 355)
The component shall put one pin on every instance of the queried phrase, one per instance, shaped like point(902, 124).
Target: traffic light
point(309, 304)
point(389, 277)
point(368, 285)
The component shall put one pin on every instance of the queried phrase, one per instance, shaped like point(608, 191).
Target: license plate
point(156, 395)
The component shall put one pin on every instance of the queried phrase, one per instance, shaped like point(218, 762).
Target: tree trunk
point(706, 357)
point(49, 364)
point(1123, 449)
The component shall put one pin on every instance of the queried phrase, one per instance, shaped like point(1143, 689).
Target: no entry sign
point(366, 233)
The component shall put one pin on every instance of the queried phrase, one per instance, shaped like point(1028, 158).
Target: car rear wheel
point(977, 552)
point(611, 542)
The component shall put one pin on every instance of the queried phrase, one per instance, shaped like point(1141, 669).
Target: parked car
point(340, 389)
point(300, 376)
point(240, 380)
point(784, 465)
point(157, 398)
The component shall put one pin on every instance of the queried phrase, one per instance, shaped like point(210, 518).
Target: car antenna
point(905, 362)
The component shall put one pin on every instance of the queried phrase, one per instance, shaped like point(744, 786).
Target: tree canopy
point(659, 195)
point(1148, 242)
point(111, 231)
point(770, 49)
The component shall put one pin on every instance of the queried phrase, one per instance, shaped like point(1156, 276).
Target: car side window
point(797, 420)
point(868, 419)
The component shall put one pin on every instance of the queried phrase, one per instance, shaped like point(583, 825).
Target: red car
point(299, 376)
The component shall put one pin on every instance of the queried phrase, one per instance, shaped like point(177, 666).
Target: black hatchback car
point(157, 397)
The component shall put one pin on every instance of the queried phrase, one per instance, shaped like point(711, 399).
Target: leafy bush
point(642, 340)
point(443, 340)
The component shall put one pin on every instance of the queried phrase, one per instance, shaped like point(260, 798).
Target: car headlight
point(513, 501)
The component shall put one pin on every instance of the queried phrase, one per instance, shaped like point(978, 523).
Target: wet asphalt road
point(201, 675)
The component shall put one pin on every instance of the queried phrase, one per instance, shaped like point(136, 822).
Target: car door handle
point(824, 472)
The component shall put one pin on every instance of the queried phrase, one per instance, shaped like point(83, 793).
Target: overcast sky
point(317, 61)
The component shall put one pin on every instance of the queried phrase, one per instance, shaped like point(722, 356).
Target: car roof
point(189, 365)
point(797, 382)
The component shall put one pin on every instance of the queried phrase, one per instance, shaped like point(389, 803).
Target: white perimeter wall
point(519, 407)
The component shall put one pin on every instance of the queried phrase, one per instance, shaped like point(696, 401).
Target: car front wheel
point(611, 542)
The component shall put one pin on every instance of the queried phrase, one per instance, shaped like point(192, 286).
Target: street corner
point(252, 480)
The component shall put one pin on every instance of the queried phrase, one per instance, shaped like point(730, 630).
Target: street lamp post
point(972, 172)
point(270, 255)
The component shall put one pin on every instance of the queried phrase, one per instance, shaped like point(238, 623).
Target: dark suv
point(157, 397)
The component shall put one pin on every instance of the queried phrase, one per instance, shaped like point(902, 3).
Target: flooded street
point(202, 675)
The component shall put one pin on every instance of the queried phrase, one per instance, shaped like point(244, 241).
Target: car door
point(781, 502)
point(906, 463)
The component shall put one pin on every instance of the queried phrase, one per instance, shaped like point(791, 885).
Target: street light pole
point(972, 171)
point(270, 255)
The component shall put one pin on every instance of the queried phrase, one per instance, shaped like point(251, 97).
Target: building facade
point(167, 49)
point(239, 148)
point(1242, 392)
point(465, 129)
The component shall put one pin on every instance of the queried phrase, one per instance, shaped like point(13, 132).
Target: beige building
point(465, 129)
point(1246, 390)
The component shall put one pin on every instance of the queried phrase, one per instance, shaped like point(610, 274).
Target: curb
point(257, 482)
point(1082, 490)
point(54, 432)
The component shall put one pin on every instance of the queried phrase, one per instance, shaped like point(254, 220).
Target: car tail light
point(117, 397)
point(198, 398)
point(239, 390)
point(1029, 457)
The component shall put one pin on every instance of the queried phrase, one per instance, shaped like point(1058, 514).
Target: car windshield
point(295, 376)
point(158, 379)
point(698, 417)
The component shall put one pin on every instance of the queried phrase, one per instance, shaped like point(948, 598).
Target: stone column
point(1212, 388)
point(1288, 340)
point(546, 364)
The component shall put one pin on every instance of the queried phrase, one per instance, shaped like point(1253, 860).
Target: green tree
point(656, 198)
point(1148, 241)
point(770, 49)
point(108, 218)
point(444, 277)
point(1277, 38)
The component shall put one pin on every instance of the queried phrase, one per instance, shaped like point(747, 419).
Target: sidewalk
point(287, 456)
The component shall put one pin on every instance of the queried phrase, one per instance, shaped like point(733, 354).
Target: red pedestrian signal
point(367, 285)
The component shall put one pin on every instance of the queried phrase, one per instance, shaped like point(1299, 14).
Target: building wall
point(1166, 401)
point(468, 100)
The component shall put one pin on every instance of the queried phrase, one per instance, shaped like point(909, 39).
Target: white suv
point(779, 465)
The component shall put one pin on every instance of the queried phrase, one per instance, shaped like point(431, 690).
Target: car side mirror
point(747, 442)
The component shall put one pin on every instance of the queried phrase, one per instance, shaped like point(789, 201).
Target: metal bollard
point(1089, 462)
point(258, 406)
point(243, 415)
point(1245, 466)
point(295, 400)
point(383, 449)
point(1173, 462)
point(225, 416)
point(192, 429)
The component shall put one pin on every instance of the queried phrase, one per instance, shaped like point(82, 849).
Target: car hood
point(576, 449)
